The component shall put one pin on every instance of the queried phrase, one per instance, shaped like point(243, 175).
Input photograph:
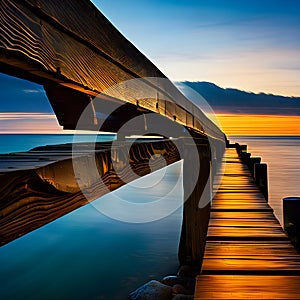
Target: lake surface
point(86, 255)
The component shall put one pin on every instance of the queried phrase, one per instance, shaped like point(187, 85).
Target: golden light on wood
point(247, 254)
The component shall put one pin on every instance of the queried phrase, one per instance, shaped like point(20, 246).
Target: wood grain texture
point(246, 249)
point(76, 18)
point(247, 254)
point(71, 44)
point(34, 197)
point(238, 287)
point(195, 218)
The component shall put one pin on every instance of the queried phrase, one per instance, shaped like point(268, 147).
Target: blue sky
point(251, 45)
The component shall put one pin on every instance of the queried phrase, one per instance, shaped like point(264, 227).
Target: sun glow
point(231, 124)
point(273, 125)
point(21, 122)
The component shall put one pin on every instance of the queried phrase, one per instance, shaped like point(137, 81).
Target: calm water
point(86, 255)
point(282, 154)
point(20, 142)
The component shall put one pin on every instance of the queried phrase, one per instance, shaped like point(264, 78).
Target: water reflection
point(85, 255)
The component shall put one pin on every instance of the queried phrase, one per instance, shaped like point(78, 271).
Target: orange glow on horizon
point(274, 125)
point(27, 123)
point(34, 123)
point(231, 124)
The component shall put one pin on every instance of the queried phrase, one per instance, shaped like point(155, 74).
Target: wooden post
point(251, 162)
point(237, 148)
point(243, 148)
point(291, 210)
point(240, 149)
point(261, 178)
point(227, 142)
point(195, 218)
point(245, 156)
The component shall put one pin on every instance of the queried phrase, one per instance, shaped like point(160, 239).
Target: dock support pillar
point(261, 178)
point(251, 163)
point(245, 157)
point(195, 215)
point(240, 148)
point(291, 210)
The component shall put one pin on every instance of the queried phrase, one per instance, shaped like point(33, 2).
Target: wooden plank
point(245, 238)
point(244, 215)
point(243, 185)
point(241, 205)
point(238, 190)
point(251, 265)
point(244, 223)
point(248, 249)
point(238, 196)
point(245, 233)
point(236, 171)
point(246, 182)
point(259, 202)
point(241, 210)
point(232, 175)
point(247, 287)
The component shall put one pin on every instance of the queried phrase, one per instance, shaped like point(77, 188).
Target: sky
point(250, 45)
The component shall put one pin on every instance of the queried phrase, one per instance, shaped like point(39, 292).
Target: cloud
point(33, 91)
point(11, 123)
point(287, 65)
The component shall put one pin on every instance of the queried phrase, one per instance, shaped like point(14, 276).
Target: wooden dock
point(247, 254)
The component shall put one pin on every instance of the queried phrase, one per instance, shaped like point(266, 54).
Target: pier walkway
point(247, 254)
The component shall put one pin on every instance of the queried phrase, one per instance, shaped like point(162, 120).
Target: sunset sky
point(248, 45)
point(245, 125)
point(252, 45)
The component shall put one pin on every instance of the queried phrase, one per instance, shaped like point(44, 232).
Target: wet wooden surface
point(40, 185)
point(247, 254)
point(247, 287)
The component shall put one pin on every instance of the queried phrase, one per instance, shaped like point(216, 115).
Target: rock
point(151, 291)
point(183, 297)
point(179, 289)
point(185, 281)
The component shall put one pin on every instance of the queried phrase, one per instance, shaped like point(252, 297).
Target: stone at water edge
point(179, 289)
point(151, 291)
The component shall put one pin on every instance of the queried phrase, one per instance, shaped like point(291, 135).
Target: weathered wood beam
point(196, 214)
point(73, 40)
point(71, 44)
point(32, 198)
